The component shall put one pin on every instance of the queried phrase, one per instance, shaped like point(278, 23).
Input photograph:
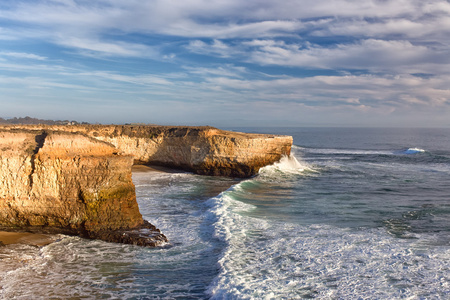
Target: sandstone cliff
point(65, 182)
point(203, 150)
point(77, 179)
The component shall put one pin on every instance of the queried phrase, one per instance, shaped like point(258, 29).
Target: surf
point(412, 151)
point(264, 257)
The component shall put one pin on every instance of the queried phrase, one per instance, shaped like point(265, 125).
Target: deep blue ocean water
point(354, 213)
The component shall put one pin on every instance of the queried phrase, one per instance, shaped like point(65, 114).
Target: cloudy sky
point(227, 62)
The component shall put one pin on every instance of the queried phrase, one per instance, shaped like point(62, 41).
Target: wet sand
point(32, 239)
point(159, 169)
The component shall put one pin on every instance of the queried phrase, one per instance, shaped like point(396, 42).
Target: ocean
point(353, 213)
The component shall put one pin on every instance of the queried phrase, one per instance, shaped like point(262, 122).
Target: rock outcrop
point(76, 179)
point(70, 183)
point(203, 150)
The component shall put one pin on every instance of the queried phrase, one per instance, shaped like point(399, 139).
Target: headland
point(76, 179)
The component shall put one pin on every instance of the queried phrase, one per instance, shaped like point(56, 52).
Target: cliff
point(64, 182)
point(203, 150)
point(76, 179)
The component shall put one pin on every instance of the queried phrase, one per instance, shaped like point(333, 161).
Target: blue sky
point(228, 62)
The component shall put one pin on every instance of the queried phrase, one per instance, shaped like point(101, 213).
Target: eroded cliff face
point(203, 150)
point(77, 179)
point(70, 183)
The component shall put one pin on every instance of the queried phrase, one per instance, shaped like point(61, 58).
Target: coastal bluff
point(76, 179)
point(203, 150)
point(61, 182)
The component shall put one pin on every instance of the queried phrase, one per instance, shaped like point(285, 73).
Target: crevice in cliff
point(40, 140)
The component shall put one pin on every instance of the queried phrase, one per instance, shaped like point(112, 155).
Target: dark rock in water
point(145, 235)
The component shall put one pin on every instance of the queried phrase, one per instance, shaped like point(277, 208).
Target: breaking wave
point(264, 258)
point(287, 165)
point(413, 151)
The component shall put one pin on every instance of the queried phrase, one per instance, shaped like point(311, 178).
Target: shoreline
point(25, 238)
point(152, 168)
point(77, 179)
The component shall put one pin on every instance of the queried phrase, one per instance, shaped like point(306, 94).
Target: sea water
point(351, 214)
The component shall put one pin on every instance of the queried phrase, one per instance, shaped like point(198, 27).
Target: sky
point(225, 63)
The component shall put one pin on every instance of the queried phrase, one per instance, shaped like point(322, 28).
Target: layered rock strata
point(77, 179)
point(64, 182)
point(203, 150)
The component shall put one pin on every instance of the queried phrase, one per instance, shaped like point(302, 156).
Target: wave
point(270, 258)
point(287, 165)
point(263, 258)
point(412, 151)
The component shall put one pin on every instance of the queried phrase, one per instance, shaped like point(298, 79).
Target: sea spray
point(235, 228)
point(288, 165)
point(266, 258)
point(413, 151)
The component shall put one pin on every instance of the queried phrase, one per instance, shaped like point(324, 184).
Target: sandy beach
point(32, 239)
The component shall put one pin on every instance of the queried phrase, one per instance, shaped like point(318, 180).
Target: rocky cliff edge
point(202, 150)
point(77, 179)
point(62, 182)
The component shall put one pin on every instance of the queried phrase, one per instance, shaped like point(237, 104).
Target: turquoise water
point(352, 214)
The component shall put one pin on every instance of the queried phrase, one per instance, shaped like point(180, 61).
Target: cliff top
point(140, 130)
point(60, 142)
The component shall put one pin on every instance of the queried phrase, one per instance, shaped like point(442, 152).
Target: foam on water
point(413, 151)
point(288, 165)
point(330, 151)
point(272, 259)
point(78, 268)
point(266, 260)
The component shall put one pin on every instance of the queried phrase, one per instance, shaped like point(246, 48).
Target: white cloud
point(388, 56)
point(369, 90)
point(84, 25)
point(114, 48)
point(422, 29)
point(219, 19)
point(23, 55)
point(144, 80)
point(226, 71)
point(216, 48)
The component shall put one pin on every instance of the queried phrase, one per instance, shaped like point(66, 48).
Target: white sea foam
point(75, 268)
point(263, 259)
point(287, 165)
point(413, 151)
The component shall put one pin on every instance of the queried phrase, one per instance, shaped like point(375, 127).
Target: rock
point(143, 235)
point(203, 150)
point(77, 179)
point(68, 183)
